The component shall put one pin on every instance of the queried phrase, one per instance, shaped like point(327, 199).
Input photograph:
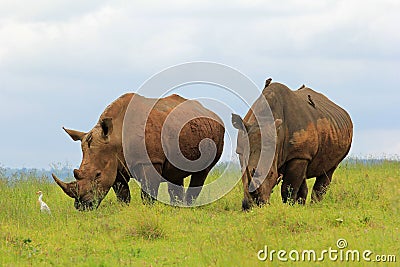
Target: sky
point(63, 62)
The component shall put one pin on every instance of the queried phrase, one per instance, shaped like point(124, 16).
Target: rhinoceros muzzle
point(84, 206)
point(81, 202)
point(246, 205)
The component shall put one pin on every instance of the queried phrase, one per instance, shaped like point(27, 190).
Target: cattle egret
point(43, 205)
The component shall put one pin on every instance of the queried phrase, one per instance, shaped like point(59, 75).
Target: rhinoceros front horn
point(69, 188)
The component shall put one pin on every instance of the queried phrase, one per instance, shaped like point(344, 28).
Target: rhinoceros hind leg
point(321, 185)
point(302, 194)
point(295, 175)
point(176, 193)
point(196, 184)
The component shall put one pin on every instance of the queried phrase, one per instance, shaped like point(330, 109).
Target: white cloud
point(141, 34)
point(107, 39)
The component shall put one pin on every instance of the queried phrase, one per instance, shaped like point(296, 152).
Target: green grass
point(361, 206)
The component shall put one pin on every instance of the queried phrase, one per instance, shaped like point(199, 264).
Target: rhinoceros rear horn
point(278, 123)
point(69, 188)
point(75, 135)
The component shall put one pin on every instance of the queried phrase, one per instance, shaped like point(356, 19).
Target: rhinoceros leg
point(295, 175)
point(176, 193)
point(321, 185)
point(149, 177)
point(196, 182)
point(302, 194)
point(121, 188)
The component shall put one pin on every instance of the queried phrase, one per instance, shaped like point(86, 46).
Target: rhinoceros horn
point(69, 188)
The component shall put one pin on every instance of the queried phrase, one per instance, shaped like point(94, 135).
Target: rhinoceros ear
point(107, 126)
point(238, 122)
point(75, 135)
point(267, 82)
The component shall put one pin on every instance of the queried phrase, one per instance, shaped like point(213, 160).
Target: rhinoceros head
point(258, 181)
point(98, 168)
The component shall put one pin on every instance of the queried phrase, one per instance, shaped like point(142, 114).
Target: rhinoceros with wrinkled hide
point(313, 135)
point(104, 165)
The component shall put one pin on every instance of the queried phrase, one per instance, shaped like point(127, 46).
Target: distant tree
point(2, 171)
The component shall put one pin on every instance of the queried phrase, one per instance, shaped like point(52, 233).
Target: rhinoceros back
point(326, 131)
point(169, 119)
point(315, 128)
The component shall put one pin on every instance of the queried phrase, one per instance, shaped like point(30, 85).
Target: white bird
point(43, 205)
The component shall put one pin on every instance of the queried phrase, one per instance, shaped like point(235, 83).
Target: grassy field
point(361, 206)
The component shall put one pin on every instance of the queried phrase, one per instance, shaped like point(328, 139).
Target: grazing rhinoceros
point(104, 165)
point(313, 135)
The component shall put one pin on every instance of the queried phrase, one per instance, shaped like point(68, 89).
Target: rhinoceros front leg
point(295, 175)
point(149, 177)
point(176, 193)
point(121, 188)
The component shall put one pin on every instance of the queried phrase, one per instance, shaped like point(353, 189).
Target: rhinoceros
point(312, 136)
point(104, 164)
